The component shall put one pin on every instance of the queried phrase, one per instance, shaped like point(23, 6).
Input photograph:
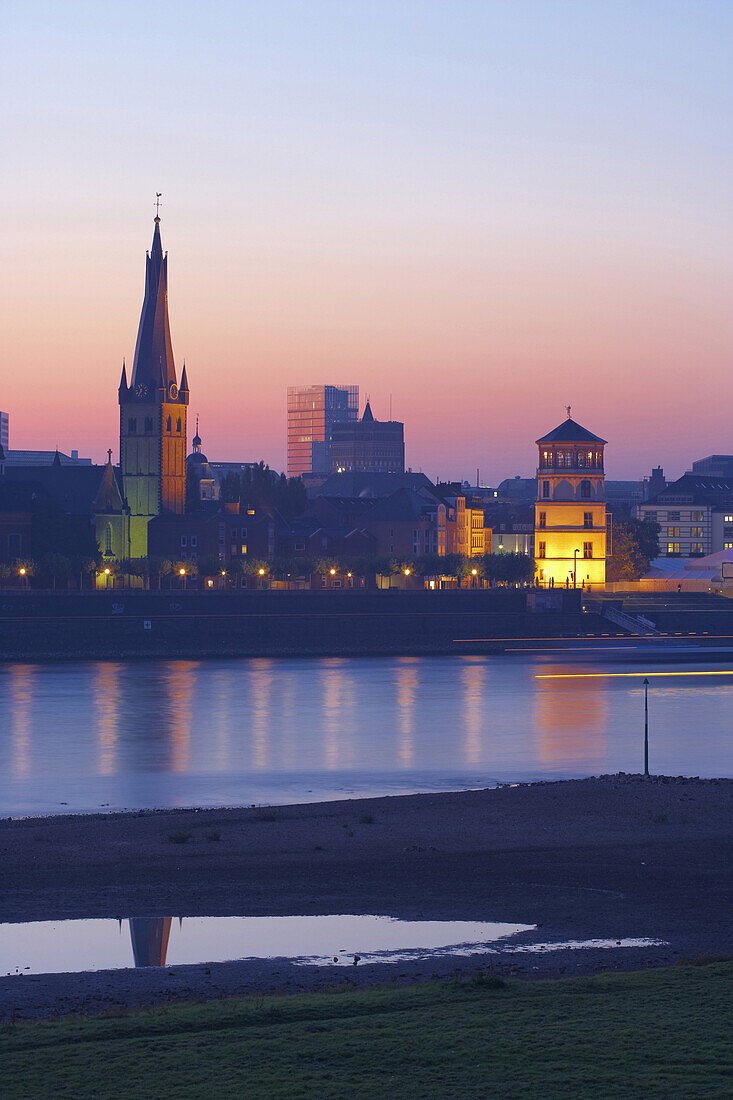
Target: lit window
point(673, 548)
point(728, 519)
point(728, 545)
point(696, 532)
point(673, 532)
point(695, 516)
point(244, 549)
point(695, 548)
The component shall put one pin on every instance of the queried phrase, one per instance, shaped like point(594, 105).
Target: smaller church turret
point(570, 513)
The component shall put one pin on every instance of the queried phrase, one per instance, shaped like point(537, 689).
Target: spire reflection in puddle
point(70, 946)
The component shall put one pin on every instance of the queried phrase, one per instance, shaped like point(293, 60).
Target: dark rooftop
point(570, 432)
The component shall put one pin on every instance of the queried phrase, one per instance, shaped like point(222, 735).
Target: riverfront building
point(695, 515)
point(570, 510)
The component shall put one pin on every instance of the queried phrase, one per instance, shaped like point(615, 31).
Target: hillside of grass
point(662, 1033)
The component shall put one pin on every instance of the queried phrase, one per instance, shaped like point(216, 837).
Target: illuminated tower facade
point(570, 534)
point(153, 412)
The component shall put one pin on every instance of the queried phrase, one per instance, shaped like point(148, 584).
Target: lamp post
point(575, 566)
point(106, 578)
point(474, 574)
point(182, 574)
point(646, 725)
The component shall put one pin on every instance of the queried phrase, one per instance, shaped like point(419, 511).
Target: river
point(89, 736)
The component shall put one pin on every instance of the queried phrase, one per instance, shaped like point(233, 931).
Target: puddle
point(69, 946)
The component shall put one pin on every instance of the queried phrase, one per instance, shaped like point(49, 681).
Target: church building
point(570, 511)
point(153, 412)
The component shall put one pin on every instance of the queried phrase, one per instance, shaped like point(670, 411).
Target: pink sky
point(453, 203)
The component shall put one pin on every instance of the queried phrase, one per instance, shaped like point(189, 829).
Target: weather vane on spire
point(568, 408)
point(158, 196)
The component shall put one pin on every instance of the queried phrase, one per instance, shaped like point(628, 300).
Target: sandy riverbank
point(613, 857)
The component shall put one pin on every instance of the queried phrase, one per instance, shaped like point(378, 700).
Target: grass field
point(662, 1033)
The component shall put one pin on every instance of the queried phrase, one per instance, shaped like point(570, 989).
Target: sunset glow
point(476, 208)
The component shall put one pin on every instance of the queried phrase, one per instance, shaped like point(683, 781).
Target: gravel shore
point(612, 857)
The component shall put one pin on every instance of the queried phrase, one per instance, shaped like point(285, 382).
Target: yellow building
point(470, 533)
point(570, 513)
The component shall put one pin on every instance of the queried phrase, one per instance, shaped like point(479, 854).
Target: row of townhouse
point(413, 520)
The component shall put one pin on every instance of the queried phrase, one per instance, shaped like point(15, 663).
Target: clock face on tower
point(173, 391)
point(141, 390)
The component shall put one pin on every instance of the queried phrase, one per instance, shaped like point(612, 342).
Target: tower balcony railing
point(570, 468)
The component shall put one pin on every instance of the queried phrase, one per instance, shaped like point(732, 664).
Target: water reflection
point(107, 702)
point(84, 736)
point(407, 683)
point(260, 687)
point(475, 709)
point(68, 946)
point(332, 686)
point(570, 720)
point(21, 694)
point(150, 937)
point(180, 686)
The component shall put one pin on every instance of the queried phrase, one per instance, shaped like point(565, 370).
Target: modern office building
point(570, 511)
point(368, 445)
point(312, 412)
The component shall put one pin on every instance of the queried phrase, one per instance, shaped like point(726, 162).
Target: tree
point(257, 486)
point(193, 492)
point(635, 544)
point(55, 566)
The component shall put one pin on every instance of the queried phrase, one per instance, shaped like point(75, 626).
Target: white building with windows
point(695, 516)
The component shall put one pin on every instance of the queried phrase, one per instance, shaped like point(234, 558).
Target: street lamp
point(262, 572)
point(332, 572)
point(575, 566)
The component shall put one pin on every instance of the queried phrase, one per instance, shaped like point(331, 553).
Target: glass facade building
point(312, 411)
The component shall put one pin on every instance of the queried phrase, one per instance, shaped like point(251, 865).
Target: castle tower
point(153, 412)
point(570, 513)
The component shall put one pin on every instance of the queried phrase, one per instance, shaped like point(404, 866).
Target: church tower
point(570, 536)
point(153, 412)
